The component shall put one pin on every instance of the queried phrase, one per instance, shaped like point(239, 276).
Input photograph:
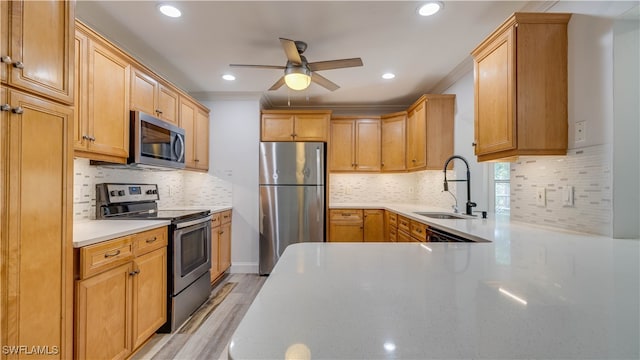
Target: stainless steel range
point(189, 253)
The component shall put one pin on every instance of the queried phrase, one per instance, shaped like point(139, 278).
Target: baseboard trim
point(244, 268)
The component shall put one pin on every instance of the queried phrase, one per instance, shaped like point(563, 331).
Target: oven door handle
point(193, 222)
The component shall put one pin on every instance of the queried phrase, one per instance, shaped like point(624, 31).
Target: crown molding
point(216, 95)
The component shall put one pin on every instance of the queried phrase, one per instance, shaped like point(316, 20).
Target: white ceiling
point(194, 51)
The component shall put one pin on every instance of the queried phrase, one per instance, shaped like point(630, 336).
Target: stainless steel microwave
point(155, 142)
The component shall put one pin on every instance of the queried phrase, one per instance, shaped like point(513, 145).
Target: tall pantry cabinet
point(36, 165)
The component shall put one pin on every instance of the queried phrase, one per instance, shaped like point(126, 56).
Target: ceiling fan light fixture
point(297, 77)
point(430, 8)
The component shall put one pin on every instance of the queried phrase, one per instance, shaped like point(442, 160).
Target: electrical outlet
point(580, 131)
point(541, 197)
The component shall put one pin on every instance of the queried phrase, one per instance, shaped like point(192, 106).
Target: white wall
point(463, 138)
point(234, 138)
point(626, 129)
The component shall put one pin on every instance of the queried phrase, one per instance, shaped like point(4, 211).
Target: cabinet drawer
point(346, 215)
point(225, 217)
point(419, 230)
point(404, 224)
point(393, 235)
point(97, 258)
point(148, 241)
point(393, 219)
point(403, 236)
point(215, 219)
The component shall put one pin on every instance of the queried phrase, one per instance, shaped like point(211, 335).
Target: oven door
point(191, 252)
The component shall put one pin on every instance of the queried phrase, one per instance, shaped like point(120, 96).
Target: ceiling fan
point(298, 73)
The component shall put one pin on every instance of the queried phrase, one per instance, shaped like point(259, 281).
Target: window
point(502, 188)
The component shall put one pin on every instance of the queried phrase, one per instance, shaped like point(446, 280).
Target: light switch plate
point(567, 196)
point(541, 197)
point(580, 132)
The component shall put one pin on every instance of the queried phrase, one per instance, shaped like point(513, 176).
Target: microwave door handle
point(181, 151)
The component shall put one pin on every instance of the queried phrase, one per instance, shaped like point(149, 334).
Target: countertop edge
point(90, 234)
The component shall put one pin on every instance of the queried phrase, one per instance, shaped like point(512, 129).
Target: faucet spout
point(470, 204)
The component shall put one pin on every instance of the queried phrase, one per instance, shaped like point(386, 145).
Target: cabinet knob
point(196, 160)
point(474, 143)
point(414, 160)
point(18, 65)
point(158, 111)
point(5, 107)
point(86, 137)
point(17, 110)
point(134, 272)
point(6, 59)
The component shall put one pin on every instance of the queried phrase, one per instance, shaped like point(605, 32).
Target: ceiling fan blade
point(291, 51)
point(258, 66)
point(278, 84)
point(335, 64)
point(324, 82)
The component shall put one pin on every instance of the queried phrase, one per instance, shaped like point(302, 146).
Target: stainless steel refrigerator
point(292, 197)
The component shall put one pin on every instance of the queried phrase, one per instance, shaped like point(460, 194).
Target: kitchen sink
point(443, 215)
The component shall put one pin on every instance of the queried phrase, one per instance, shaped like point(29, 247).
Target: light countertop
point(531, 292)
point(95, 231)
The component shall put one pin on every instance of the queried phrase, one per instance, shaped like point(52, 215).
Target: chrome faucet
point(470, 204)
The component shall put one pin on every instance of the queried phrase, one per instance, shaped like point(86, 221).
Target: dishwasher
point(437, 235)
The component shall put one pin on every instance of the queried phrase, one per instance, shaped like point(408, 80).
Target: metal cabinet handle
point(5, 107)
point(158, 111)
point(86, 137)
point(6, 59)
point(134, 272)
point(17, 110)
point(221, 232)
point(474, 144)
point(149, 241)
point(112, 254)
point(414, 160)
point(18, 65)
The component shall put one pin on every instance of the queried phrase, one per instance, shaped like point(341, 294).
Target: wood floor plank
point(210, 339)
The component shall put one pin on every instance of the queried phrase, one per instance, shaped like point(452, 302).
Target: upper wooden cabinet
point(355, 144)
point(394, 142)
point(102, 99)
point(285, 125)
point(195, 122)
point(430, 132)
point(151, 95)
point(520, 86)
point(36, 47)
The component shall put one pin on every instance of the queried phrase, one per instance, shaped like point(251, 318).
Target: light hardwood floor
point(210, 339)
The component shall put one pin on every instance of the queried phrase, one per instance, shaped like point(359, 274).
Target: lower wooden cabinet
point(356, 225)
point(391, 226)
point(220, 244)
point(121, 295)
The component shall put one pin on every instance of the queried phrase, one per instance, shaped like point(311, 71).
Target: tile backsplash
point(424, 187)
point(176, 187)
point(587, 169)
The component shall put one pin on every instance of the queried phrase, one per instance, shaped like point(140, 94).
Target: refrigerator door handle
point(319, 181)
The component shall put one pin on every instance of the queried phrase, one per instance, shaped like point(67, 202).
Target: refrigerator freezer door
point(292, 163)
point(288, 215)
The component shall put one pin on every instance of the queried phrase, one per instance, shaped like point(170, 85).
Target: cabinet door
point(368, 145)
point(188, 123)
point(393, 143)
point(374, 225)
point(149, 295)
point(36, 257)
point(439, 113)
point(494, 73)
point(215, 250)
point(80, 120)
point(345, 232)
point(202, 140)
point(342, 145)
point(103, 310)
point(311, 127)
point(143, 92)
point(39, 41)
point(417, 138)
point(167, 104)
point(108, 101)
point(224, 247)
point(277, 127)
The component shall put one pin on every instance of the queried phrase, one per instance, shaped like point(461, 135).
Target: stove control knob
point(120, 192)
point(113, 193)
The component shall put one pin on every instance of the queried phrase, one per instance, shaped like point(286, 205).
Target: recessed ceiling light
point(228, 77)
point(430, 8)
point(170, 10)
point(388, 76)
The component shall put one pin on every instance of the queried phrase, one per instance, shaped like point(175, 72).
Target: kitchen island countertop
point(531, 292)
